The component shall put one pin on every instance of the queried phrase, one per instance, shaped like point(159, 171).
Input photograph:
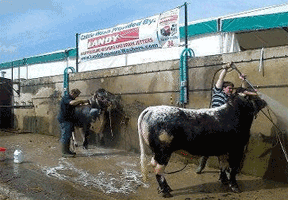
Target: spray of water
point(280, 111)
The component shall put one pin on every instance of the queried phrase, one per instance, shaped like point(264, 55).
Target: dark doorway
point(6, 94)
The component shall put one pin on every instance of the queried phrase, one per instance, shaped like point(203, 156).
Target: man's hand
point(242, 77)
point(227, 66)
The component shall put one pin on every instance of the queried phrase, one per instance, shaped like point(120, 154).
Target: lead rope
point(278, 137)
point(178, 170)
point(110, 120)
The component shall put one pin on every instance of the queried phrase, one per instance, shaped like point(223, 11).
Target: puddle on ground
point(125, 181)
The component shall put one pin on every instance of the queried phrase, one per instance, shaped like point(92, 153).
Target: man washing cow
point(220, 93)
point(166, 129)
point(66, 120)
point(80, 113)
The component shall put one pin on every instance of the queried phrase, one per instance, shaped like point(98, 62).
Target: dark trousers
point(66, 131)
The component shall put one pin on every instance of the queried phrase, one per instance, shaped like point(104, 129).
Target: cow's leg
point(233, 182)
point(224, 169)
point(202, 164)
point(153, 163)
point(159, 169)
point(161, 162)
point(82, 134)
point(235, 162)
point(85, 134)
point(74, 142)
point(101, 126)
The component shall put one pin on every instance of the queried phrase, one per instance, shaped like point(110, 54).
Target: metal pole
point(12, 72)
point(66, 80)
point(27, 71)
point(184, 66)
point(13, 96)
point(186, 90)
point(186, 26)
point(19, 73)
point(77, 36)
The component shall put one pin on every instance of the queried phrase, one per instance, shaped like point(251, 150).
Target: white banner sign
point(168, 29)
point(140, 35)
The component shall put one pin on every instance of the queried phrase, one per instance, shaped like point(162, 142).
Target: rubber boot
point(66, 153)
point(203, 161)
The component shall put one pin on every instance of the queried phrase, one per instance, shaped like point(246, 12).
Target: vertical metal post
point(186, 26)
point(66, 80)
point(67, 57)
point(184, 65)
point(12, 72)
point(77, 36)
point(25, 64)
point(27, 71)
point(19, 74)
point(186, 57)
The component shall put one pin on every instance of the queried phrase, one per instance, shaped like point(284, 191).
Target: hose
point(233, 66)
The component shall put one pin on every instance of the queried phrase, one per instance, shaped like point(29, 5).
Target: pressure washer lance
point(233, 66)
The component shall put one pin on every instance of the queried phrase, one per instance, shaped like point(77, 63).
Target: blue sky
point(33, 27)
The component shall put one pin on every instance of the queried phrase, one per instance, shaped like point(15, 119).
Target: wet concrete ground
point(99, 173)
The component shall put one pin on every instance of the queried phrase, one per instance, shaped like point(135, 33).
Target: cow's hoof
point(234, 188)
point(224, 181)
point(161, 191)
point(85, 147)
point(68, 155)
point(167, 195)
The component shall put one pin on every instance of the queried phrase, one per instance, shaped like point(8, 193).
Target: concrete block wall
point(157, 83)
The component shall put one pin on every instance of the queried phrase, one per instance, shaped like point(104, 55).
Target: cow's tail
point(141, 131)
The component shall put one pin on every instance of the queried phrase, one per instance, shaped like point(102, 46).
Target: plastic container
point(18, 156)
point(2, 153)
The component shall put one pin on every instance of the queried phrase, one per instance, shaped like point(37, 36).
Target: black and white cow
point(223, 131)
point(100, 102)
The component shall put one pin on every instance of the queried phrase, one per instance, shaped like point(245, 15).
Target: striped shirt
point(218, 97)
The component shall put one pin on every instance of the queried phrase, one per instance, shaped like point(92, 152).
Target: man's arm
point(220, 80)
point(244, 84)
point(77, 102)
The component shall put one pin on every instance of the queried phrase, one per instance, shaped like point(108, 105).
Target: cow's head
point(250, 99)
point(104, 100)
point(100, 99)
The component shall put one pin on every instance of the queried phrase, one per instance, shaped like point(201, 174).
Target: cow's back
point(199, 131)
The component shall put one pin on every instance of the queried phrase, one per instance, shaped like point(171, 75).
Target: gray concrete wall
point(158, 83)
